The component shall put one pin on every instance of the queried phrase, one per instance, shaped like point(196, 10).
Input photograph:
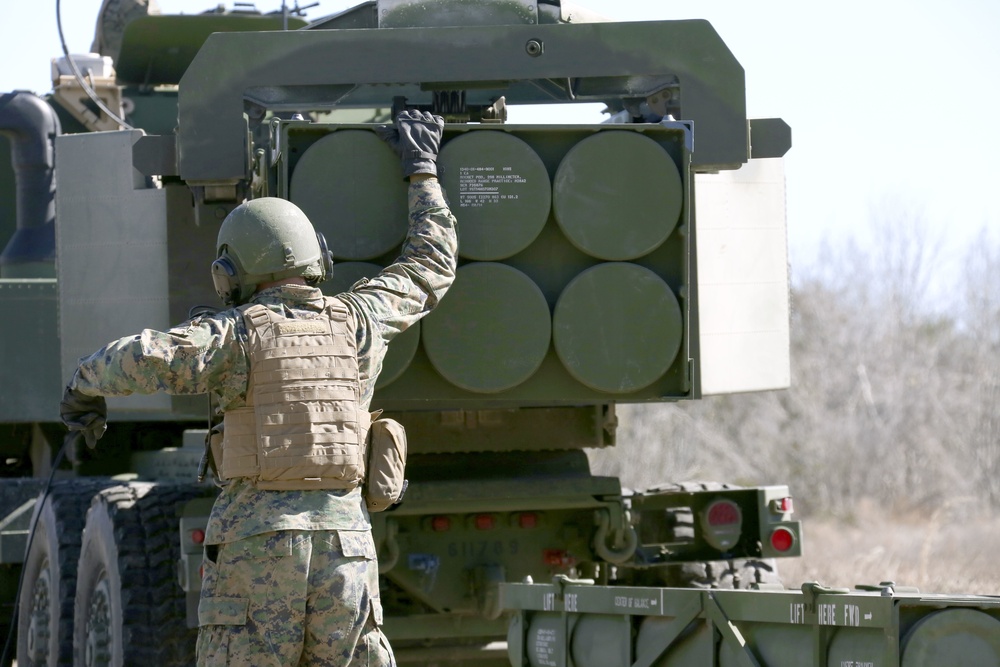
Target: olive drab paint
point(642, 259)
point(539, 209)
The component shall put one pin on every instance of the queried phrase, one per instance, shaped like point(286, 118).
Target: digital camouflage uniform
point(290, 576)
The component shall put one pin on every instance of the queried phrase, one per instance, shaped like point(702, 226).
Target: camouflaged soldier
point(290, 572)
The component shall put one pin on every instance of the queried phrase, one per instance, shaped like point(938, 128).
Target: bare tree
point(979, 432)
point(893, 396)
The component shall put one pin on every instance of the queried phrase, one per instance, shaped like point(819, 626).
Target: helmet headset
point(265, 240)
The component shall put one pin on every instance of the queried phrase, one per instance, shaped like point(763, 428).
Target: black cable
point(95, 98)
point(39, 504)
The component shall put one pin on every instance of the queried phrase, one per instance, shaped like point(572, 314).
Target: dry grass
point(951, 549)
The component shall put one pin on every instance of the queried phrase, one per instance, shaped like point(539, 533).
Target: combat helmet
point(263, 240)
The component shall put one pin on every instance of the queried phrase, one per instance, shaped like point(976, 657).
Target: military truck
point(640, 259)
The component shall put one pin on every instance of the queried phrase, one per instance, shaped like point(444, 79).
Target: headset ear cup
point(226, 280)
point(326, 257)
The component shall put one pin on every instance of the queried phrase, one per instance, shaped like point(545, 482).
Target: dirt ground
point(949, 549)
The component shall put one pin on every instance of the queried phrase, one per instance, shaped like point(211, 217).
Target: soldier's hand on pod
point(416, 138)
point(87, 414)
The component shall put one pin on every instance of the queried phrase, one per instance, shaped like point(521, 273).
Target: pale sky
point(887, 99)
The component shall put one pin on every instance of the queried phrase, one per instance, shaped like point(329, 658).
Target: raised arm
point(413, 285)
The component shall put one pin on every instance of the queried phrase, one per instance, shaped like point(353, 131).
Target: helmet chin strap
point(325, 258)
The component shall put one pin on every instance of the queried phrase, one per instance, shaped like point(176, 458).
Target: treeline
point(894, 397)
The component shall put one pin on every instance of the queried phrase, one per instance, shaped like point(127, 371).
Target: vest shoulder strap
point(255, 315)
point(336, 309)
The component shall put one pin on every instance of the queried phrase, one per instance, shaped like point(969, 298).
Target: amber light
point(440, 524)
point(782, 539)
point(198, 536)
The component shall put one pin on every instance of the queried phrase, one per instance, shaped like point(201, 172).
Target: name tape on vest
point(284, 328)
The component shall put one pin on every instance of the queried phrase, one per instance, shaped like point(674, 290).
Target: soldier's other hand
point(87, 414)
point(416, 138)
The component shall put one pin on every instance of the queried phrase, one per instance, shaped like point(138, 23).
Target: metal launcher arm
point(684, 64)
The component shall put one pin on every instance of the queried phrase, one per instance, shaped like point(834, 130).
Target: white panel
point(111, 237)
point(743, 301)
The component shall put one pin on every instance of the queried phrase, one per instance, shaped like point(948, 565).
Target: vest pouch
point(384, 482)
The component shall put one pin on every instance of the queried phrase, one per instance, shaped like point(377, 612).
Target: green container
point(953, 636)
point(349, 184)
point(499, 190)
point(617, 327)
point(617, 195)
point(491, 332)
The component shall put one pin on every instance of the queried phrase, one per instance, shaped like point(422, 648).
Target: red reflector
point(527, 520)
point(782, 539)
point(723, 513)
point(198, 536)
point(485, 522)
point(557, 558)
point(439, 524)
point(201, 571)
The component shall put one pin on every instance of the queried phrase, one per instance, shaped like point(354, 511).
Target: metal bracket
point(811, 590)
point(730, 633)
point(624, 542)
point(664, 641)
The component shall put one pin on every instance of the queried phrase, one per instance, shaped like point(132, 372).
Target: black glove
point(416, 138)
point(88, 414)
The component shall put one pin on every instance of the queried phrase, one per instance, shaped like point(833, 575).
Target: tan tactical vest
point(303, 427)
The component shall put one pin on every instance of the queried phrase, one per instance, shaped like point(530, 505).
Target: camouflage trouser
point(293, 597)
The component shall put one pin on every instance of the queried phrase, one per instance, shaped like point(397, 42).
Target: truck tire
point(738, 573)
point(127, 590)
point(13, 493)
point(45, 608)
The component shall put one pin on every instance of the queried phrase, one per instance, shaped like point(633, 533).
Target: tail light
point(782, 539)
point(558, 558)
point(722, 523)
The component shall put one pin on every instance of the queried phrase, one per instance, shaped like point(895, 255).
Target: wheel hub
point(39, 629)
point(98, 637)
